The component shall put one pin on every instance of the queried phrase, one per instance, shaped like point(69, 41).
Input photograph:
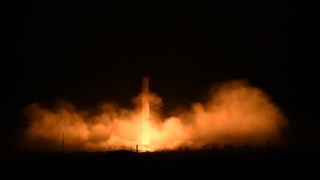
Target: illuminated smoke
point(234, 114)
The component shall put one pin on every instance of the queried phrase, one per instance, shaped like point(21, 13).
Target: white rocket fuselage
point(145, 110)
point(145, 99)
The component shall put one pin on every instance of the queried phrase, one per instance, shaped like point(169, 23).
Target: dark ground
point(231, 162)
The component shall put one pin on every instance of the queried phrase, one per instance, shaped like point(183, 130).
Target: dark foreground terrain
point(203, 164)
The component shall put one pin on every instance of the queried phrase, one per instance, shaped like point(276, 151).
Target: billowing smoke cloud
point(234, 114)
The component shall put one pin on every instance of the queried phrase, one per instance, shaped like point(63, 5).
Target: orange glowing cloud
point(234, 114)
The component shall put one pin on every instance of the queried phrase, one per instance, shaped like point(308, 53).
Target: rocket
point(145, 99)
point(145, 108)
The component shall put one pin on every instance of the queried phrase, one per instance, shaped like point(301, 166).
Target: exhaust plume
point(235, 113)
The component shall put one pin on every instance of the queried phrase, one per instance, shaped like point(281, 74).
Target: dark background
point(90, 53)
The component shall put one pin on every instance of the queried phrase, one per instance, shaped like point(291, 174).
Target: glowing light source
point(235, 113)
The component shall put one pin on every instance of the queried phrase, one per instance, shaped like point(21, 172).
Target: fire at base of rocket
point(235, 113)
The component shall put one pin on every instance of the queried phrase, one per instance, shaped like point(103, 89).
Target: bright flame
point(145, 136)
point(235, 114)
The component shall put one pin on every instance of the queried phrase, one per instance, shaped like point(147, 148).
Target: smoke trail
point(235, 113)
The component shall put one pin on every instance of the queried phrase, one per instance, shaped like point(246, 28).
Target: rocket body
point(145, 114)
point(145, 99)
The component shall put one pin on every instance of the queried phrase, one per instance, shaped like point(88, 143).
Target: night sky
point(92, 53)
